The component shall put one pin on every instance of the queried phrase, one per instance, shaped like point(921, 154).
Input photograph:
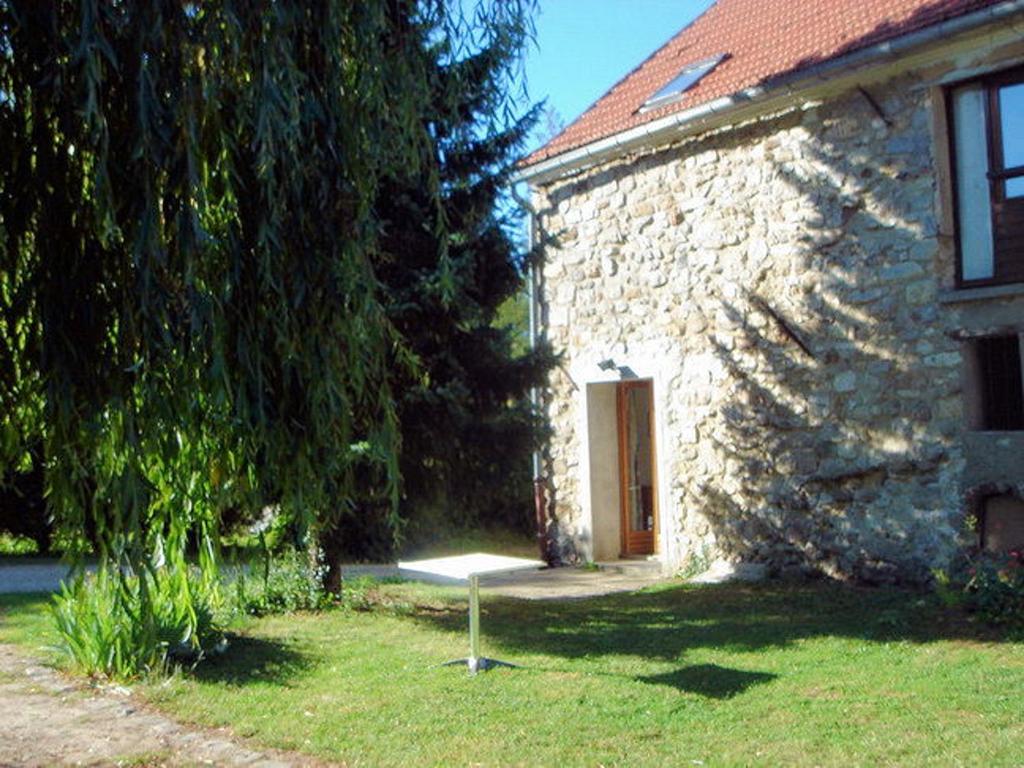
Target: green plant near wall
point(988, 584)
point(17, 545)
point(994, 589)
point(696, 564)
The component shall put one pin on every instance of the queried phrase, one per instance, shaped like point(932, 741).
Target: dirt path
point(46, 720)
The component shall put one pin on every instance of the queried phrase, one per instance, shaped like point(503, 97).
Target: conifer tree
point(467, 429)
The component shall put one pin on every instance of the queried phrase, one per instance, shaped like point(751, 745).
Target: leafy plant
point(988, 584)
point(995, 588)
point(947, 589)
point(16, 545)
point(105, 631)
point(291, 580)
point(695, 564)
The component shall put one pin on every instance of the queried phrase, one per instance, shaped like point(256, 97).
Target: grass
point(26, 621)
point(813, 674)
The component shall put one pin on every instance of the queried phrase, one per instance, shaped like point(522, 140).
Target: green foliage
point(696, 564)
point(123, 627)
point(950, 594)
point(291, 580)
point(513, 317)
point(288, 581)
point(995, 588)
point(455, 295)
point(366, 593)
point(17, 545)
point(988, 584)
point(190, 316)
point(23, 513)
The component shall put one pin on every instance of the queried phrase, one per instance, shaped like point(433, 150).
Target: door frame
point(640, 543)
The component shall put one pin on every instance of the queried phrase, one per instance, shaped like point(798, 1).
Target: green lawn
point(809, 675)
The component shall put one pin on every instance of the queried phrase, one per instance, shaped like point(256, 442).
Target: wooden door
point(637, 468)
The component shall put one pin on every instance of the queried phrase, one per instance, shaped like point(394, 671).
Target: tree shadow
point(667, 625)
point(709, 680)
point(821, 377)
point(254, 660)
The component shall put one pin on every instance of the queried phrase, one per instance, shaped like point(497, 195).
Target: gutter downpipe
point(786, 86)
point(540, 502)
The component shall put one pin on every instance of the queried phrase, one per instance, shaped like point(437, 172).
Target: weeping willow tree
point(190, 316)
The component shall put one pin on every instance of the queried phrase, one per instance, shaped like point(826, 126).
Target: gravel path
point(48, 720)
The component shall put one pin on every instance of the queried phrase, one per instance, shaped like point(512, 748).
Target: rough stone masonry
point(791, 272)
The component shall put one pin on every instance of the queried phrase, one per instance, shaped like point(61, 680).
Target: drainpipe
point(540, 501)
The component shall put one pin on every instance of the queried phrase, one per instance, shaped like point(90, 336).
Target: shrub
point(988, 584)
point(995, 588)
point(290, 580)
point(17, 545)
point(99, 627)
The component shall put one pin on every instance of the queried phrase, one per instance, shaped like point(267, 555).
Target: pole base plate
point(481, 664)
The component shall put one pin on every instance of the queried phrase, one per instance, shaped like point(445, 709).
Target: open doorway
point(638, 484)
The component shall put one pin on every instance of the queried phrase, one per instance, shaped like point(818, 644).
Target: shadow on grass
point(254, 660)
point(666, 624)
point(709, 680)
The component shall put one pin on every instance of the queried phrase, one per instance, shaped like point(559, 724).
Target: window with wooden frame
point(987, 116)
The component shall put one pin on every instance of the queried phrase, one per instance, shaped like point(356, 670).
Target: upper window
point(988, 134)
point(681, 83)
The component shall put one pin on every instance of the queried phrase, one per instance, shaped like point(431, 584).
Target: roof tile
point(763, 39)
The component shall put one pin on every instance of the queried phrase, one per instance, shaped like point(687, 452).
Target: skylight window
point(681, 83)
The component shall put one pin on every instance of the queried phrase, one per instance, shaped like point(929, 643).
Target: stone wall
point(790, 273)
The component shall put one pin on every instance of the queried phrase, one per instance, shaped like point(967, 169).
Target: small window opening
point(681, 83)
point(999, 389)
point(1002, 523)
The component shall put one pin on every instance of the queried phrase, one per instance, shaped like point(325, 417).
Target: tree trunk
point(330, 541)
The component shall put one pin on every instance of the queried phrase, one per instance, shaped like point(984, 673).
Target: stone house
point(783, 262)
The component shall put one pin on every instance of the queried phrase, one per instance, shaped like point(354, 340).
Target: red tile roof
point(763, 39)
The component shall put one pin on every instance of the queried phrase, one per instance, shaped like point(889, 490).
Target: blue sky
point(586, 46)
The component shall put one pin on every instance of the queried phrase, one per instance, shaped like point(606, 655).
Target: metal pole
point(534, 277)
point(474, 622)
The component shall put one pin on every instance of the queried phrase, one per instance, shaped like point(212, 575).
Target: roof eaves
point(790, 82)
